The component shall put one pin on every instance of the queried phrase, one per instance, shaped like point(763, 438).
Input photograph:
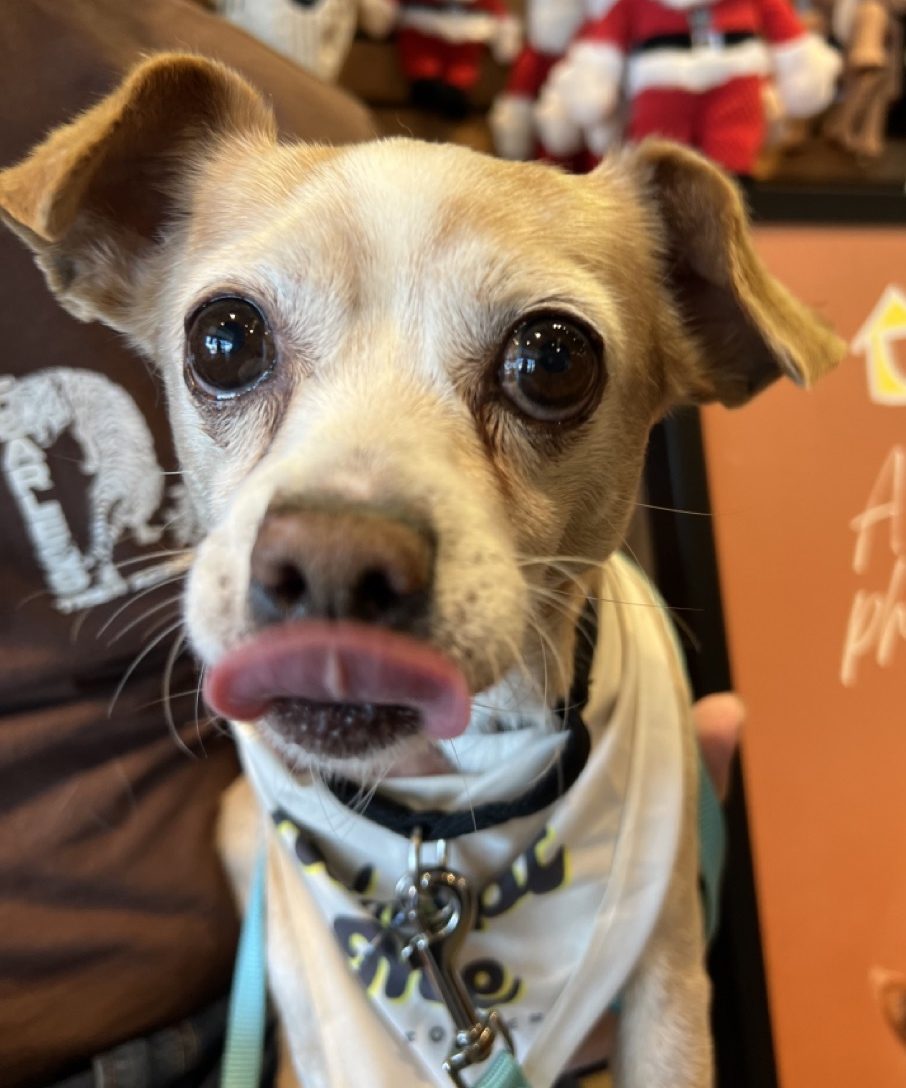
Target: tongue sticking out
point(343, 663)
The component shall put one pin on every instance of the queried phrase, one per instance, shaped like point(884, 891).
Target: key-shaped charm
point(437, 912)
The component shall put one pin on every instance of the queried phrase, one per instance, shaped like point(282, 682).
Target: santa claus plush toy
point(551, 25)
point(441, 42)
point(692, 72)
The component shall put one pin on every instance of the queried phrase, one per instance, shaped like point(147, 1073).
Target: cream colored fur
point(391, 273)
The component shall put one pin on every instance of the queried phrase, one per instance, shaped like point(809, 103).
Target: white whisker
point(164, 553)
point(212, 719)
point(133, 600)
point(545, 640)
point(178, 643)
point(465, 784)
point(676, 510)
point(155, 608)
point(137, 661)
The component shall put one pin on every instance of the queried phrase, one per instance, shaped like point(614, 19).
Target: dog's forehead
point(396, 197)
point(399, 219)
point(436, 192)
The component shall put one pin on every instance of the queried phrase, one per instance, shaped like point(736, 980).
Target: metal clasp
point(436, 911)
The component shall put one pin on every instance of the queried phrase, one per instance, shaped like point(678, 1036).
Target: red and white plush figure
point(551, 25)
point(693, 72)
point(440, 45)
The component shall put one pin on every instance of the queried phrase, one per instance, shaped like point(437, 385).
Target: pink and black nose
point(339, 561)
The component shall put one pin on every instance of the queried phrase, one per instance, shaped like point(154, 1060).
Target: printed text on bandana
point(373, 950)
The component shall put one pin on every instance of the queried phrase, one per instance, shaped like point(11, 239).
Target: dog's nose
point(342, 562)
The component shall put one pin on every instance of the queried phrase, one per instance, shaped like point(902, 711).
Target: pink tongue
point(340, 663)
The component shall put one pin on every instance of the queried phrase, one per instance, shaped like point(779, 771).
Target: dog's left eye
point(552, 368)
point(229, 347)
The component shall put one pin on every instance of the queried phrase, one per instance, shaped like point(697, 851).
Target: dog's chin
point(364, 742)
point(341, 731)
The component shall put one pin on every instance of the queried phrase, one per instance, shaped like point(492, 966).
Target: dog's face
point(410, 386)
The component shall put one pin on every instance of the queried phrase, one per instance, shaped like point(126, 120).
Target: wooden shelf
point(820, 183)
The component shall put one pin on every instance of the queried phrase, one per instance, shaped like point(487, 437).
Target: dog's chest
point(566, 898)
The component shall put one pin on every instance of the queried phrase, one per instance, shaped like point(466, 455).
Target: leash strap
point(244, 1047)
point(503, 1072)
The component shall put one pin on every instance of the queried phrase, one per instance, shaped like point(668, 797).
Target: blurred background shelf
point(817, 182)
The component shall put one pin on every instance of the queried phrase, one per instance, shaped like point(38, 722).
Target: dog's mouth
point(340, 690)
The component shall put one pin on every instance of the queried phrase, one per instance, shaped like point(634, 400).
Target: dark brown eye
point(552, 369)
point(229, 347)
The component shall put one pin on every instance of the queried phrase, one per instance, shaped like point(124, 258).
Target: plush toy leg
point(727, 123)
point(462, 65)
point(731, 124)
point(421, 57)
point(875, 120)
point(663, 111)
point(440, 73)
point(857, 123)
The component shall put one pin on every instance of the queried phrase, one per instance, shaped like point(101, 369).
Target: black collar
point(552, 785)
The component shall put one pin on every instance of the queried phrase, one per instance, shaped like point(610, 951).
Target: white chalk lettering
point(886, 502)
point(877, 617)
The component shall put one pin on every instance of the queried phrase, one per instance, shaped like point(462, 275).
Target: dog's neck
point(528, 694)
point(517, 703)
point(533, 751)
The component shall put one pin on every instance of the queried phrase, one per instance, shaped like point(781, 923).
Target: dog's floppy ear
point(745, 328)
point(94, 199)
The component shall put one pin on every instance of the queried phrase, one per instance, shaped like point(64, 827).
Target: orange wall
point(825, 761)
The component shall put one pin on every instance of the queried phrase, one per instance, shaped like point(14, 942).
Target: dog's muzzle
point(345, 675)
point(340, 597)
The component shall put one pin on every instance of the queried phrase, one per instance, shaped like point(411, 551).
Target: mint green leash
point(504, 1072)
point(247, 1017)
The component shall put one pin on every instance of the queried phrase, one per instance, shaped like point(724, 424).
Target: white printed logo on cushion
point(124, 485)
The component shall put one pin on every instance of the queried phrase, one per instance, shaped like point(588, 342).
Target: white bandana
point(568, 896)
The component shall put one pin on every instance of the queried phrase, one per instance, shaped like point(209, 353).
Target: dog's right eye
point(551, 368)
point(229, 347)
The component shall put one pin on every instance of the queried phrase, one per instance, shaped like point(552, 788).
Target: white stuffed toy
point(316, 35)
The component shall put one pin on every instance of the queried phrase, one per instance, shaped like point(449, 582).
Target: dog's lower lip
point(341, 729)
point(340, 663)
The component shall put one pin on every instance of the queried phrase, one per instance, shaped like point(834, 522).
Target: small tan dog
point(411, 389)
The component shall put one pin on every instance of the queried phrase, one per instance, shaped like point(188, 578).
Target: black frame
point(686, 565)
point(860, 204)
